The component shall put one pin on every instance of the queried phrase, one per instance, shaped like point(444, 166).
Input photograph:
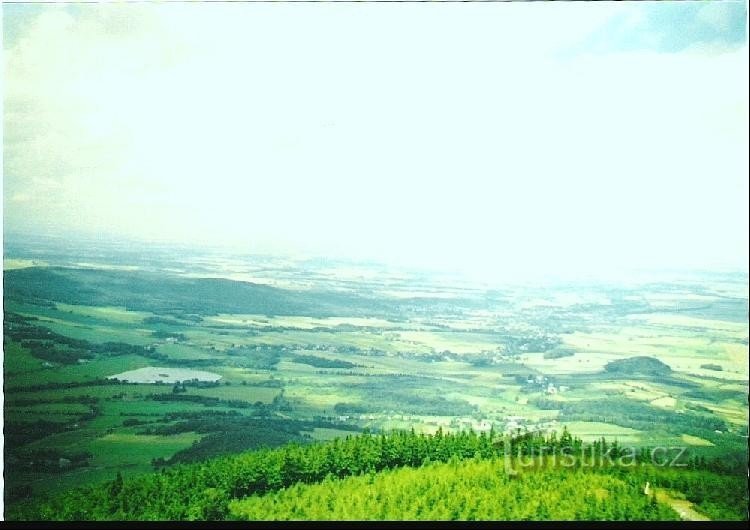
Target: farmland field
point(126, 367)
point(291, 260)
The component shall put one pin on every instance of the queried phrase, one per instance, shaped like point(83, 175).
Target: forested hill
point(640, 365)
point(162, 293)
point(425, 472)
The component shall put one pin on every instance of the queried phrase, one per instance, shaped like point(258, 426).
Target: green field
point(316, 364)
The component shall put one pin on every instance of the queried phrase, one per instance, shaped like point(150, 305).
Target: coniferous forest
point(316, 260)
point(405, 475)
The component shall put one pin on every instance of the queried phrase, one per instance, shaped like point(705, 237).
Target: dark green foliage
point(18, 433)
point(322, 362)
point(132, 422)
point(235, 440)
point(207, 401)
point(161, 334)
point(519, 344)
point(167, 321)
point(715, 395)
point(204, 490)
point(49, 460)
point(177, 492)
point(634, 414)
point(404, 402)
point(474, 489)
point(258, 357)
point(175, 295)
point(559, 352)
point(230, 432)
point(405, 394)
point(638, 365)
point(64, 385)
point(23, 402)
point(51, 346)
point(720, 493)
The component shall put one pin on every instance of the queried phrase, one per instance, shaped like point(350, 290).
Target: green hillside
point(175, 295)
point(469, 490)
point(404, 475)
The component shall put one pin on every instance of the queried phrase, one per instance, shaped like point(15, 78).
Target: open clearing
point(591, 430)
point(694, 440)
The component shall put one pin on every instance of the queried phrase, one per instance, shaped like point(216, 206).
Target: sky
point(500, 138)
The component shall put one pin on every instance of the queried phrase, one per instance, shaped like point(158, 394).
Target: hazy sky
point(493, 137)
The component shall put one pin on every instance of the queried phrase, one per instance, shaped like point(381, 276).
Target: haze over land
point(499, 140)
point(375, 261)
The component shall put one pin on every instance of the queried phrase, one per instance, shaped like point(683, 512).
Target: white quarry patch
point(153, 374)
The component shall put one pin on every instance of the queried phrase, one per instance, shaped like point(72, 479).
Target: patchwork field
point(131, 368)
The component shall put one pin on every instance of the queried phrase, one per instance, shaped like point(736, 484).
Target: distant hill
point(641, 365)
point(172, 294)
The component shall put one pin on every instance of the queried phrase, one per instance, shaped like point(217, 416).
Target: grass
point(123, 448)
point(12, 263)
point(128, 454)
point(240, 392)
point(18, 360)
point(108, 314)
point(682, 342)
point(454, 341)
point(672, 321)
point(589, 431)
point(98, 332)
point(45, 409)
point(695, 440)
point(685, 350)
point(580, 362)
point(323, 433)
point(666, 402)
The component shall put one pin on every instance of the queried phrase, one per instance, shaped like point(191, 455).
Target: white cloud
point(444, 133)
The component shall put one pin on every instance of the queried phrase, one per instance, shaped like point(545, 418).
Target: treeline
point(258, 357)
point(716, 395)
point(322, 362)
point(66, 385)
point(404, 400)
point(230, 432)
point(48, 460)
point(208, 401)
point(718, 490)
point(17, 433)
point(181, 320)
point(413, 404)
point(203, 491)
point(632, 414)
point(559, 352)
point(24, 402)
point(45, 344)
point(161, 334)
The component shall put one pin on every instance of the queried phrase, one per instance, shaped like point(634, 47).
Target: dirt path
point(683, 507)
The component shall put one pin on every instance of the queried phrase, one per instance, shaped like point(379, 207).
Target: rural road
point(683, 507)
